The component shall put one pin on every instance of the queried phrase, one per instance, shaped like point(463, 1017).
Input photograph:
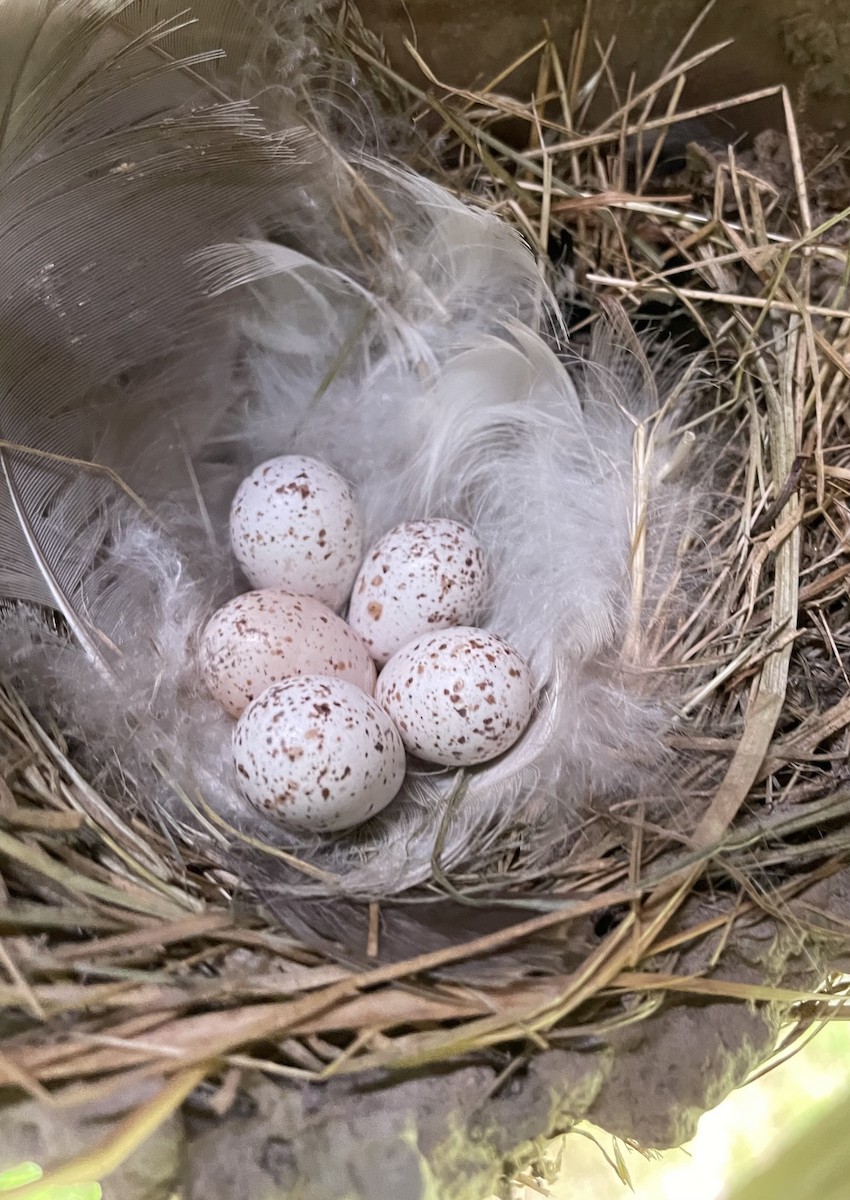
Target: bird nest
point(677, 937)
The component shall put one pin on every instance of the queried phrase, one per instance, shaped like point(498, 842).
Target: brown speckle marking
point(436, 688)
point(350, 770)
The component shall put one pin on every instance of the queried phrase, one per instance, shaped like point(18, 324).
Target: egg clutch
point(330, 711)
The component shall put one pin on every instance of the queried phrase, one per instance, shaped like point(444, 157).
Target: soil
point(787, 42)
point(454, 1133)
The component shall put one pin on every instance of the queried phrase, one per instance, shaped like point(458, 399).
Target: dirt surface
point(34, 1132)
point(452, 1135)
point(456, 1133)
point(775, 41)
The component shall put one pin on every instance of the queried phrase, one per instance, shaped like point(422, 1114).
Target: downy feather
point(152, 328)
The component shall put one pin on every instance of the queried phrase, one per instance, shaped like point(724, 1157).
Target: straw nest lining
point(129, 959)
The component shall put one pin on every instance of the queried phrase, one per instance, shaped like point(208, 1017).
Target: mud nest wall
point(654, 972)
point(802, 44)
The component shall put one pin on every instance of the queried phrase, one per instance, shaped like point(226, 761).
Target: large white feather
point(118, 162)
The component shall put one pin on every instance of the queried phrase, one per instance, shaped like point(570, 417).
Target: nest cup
point(267, 1031)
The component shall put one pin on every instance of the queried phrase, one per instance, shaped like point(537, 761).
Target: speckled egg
point(317, 754)
point(265, 636)
point(419, 577)
point(294, 524)
point(459, 697)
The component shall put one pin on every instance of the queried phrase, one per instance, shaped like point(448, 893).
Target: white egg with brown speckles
point(295, 524)
point(264, 636)
point(458, 697)
point(318, 755)
point(419, 577)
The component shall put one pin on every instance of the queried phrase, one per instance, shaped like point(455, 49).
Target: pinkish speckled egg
point(294, 524)
point(265, 636)
point(317, 754)
point(419, 577)
point(459, 697)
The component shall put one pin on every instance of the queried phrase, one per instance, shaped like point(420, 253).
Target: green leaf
point(15, 1177)
point(29, 1172)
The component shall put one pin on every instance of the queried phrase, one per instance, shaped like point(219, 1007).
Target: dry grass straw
point(124, 958)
